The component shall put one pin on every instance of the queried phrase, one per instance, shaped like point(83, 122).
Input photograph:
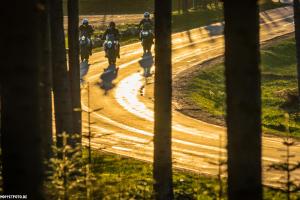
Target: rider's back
point(111, 32)
point(146, 22)
point(86, 30)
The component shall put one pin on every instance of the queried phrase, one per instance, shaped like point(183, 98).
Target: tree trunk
point(185, 6)
point(162, 106)
point(73, 37)
point(243, 99)
point(46, 82)
point(179, 6)
point(21, 138)
point(297, 37)
point(61, 80)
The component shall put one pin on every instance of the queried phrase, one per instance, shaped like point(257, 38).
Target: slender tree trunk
point(179, 6)
point(46, 82)
point(184, 6)
point(61, 80)
point(21, 138)
point(297, 37)
point(162, 105)
point(243, 99)
point(73, 36)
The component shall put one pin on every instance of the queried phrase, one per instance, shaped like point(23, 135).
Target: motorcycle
point(147, 40)
point(85, 48)
point(111, 47)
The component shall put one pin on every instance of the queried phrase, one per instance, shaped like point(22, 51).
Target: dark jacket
point(86, 30)
point(111, 31)
point(144, 21)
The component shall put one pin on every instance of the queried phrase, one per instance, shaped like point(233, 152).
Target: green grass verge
point(125, 178)
point(112, 176)
point(196, 18)
point(279, 83)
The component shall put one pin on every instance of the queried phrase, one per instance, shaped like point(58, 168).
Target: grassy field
point(202, 17)
point(128, 178)
point(279, 93)
point(116, 177)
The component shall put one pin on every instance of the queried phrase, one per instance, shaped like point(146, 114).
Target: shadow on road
point(84, 68)
point(109, 74)
point(146, 63)
point(215, 29)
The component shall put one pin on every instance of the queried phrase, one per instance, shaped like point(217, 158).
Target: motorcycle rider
point(112, 30)
point(87, 30)
point(146, 27)
point(149, 34)
point(146, 21)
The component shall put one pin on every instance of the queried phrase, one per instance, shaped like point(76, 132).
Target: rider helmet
point(112, 25)
point(147, 15)
point(85, 21)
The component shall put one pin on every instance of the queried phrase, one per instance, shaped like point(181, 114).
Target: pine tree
point(243, 99)
point(21, 141)
point(297, 37)
point(61, 80)
point(162, 169)
point(73, 35)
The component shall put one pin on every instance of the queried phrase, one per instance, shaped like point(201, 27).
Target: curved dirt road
point(123, 122)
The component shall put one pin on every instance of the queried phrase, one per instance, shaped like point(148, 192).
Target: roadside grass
point(117, 177)
point(196, 18)
point(126, 178)
point(279, 94)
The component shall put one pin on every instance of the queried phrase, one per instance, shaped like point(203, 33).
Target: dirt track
point(123, 123)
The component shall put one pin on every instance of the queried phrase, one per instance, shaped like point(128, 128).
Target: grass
point(196, 18)
point(279, 83)
point(126, 178)
point(117, 177)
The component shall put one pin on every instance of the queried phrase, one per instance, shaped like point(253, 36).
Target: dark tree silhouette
point(45, 80)
point(179, 6)
point(73, 35)
point(162, 105)
point(297, 37)
point(185, 6)
point(243, 99)
point(19, 75)
point(61, 80)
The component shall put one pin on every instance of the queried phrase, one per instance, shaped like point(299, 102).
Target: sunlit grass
point(278, 82)
point(125, 178)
